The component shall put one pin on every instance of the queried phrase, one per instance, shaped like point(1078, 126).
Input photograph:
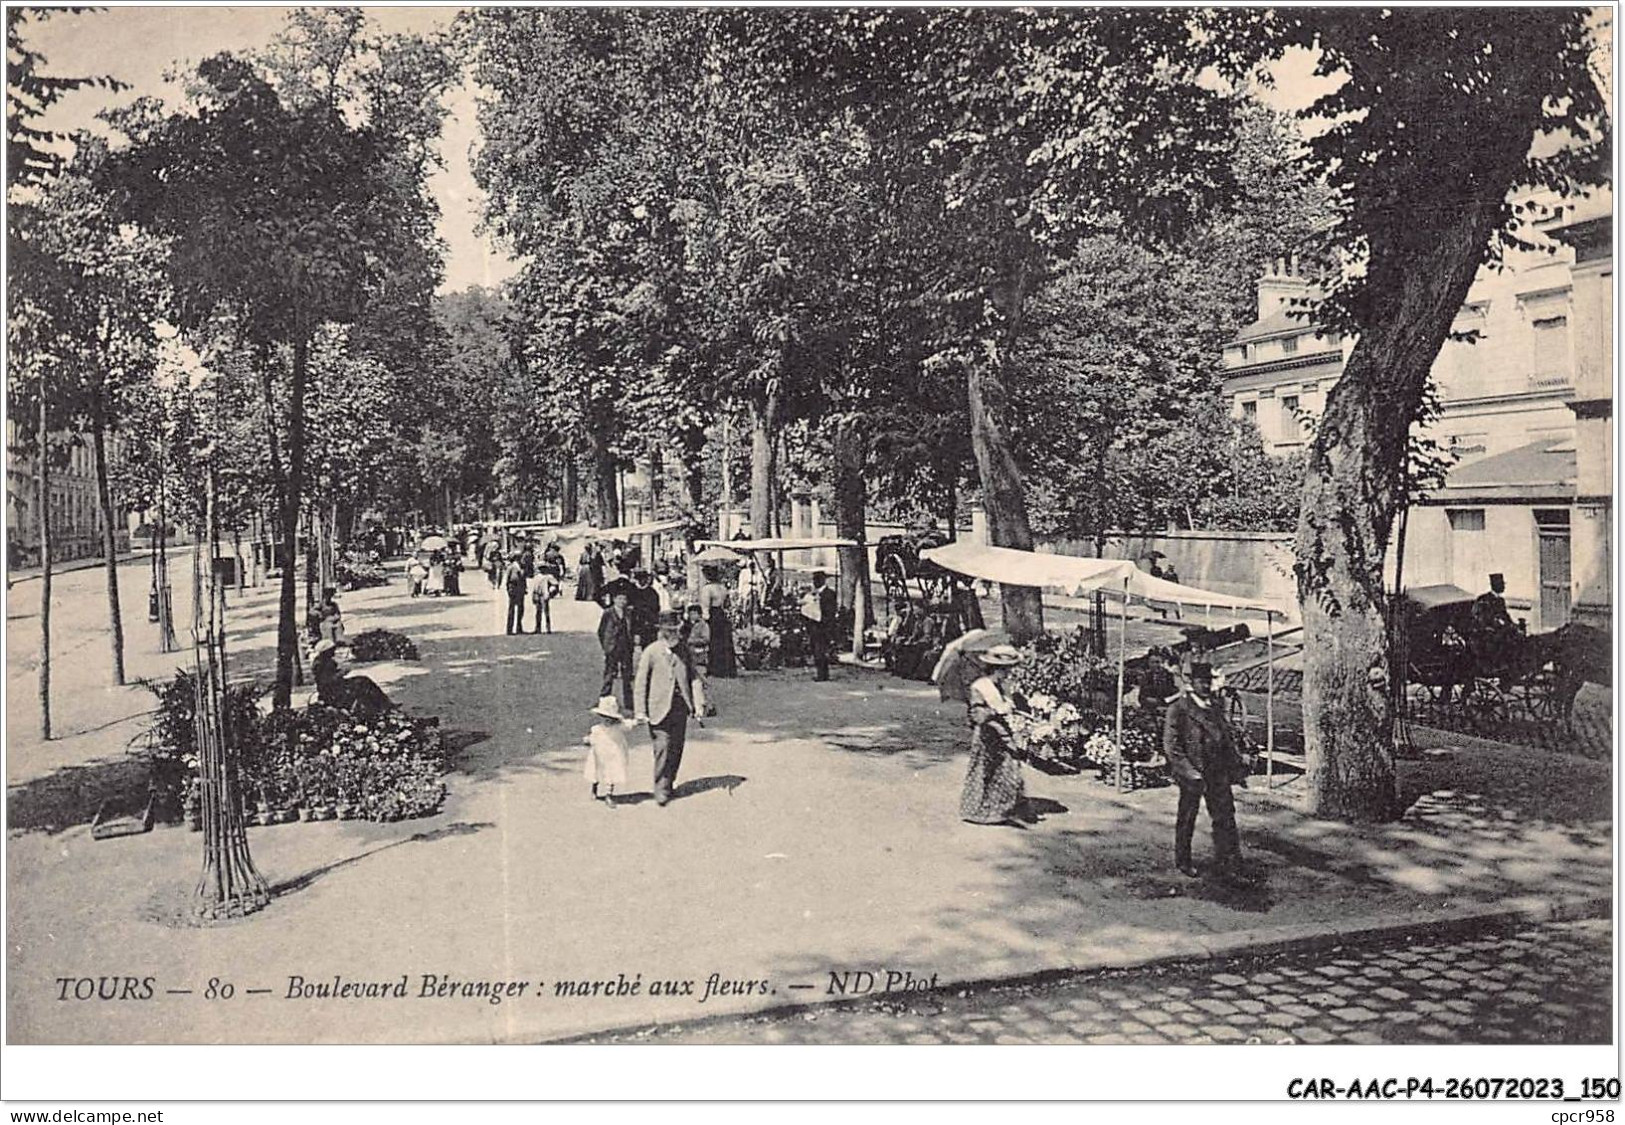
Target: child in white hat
point(608, 744)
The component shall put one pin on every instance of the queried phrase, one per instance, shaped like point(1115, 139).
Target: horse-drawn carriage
point(1469, 667)
point(937, 605)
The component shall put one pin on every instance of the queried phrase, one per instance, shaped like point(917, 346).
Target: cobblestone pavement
point(1537, 984)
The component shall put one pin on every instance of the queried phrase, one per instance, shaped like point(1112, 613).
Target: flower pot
point(304, 813)
point(347, 811)
point(324, 812)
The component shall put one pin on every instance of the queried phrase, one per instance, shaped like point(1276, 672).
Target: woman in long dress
point(993, 793)
point(589, 574)
point(436, 583)
point(713, 601)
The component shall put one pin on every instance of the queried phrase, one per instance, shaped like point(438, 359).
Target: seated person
point(1490, 617)
point(356, 694)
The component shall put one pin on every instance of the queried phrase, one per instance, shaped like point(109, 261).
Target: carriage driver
point(1490, 617)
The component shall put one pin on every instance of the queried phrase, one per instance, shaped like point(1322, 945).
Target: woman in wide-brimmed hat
point(993, 792)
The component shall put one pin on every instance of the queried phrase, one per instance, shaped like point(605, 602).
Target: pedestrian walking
point(1204, 756)
point(695, 637)
point(664, 700)
point(819, 609)
point(993, 792)
point(331, 625)
point(608, 744)
point(416, 575)
point(615, 638)
point(590, 574)
point(644, 602)
point(513, 583)
point(543, 589)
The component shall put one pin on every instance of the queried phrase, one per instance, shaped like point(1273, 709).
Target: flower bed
point(313, 763)
point(170, 741)
point(354, 572)
point(382, 644)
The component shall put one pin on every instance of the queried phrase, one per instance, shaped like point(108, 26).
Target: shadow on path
point(301, 882)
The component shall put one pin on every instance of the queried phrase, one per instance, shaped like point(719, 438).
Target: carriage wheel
point(1484, 704)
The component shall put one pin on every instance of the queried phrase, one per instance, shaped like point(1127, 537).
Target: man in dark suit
point(644, 602)
point(615, 638)
point(821, 630)
point(663, 698)
point(1204, 757)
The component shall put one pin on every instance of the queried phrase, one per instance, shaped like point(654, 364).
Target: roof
point(1541, 470)
point(1282, 321)
point(1423, 598)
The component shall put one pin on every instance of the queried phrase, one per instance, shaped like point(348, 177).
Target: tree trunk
point(851, 493)
point(104, 497)
point(1003, 498)
point(605, 485)
point(571, 501)
point(764, 424)
point(44, 479)
point(287, 628)
point(1353, 489)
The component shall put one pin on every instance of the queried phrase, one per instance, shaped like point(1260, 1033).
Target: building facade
point(1525, 388)
point(76, 519)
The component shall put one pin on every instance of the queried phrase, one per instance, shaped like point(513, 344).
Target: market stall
point(1115, 578)
point(762, 594)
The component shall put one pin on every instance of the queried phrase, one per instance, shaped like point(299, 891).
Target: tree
point(1444, 112)
point(35, 378)
point(284, 203)
point(110, 292)
point(1088, 118)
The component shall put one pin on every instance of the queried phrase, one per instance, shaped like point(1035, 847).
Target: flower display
point(382, 644)
point(758, 646)
point(383, 767)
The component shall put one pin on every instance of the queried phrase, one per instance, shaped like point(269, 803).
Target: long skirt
point(723, 665)
point(993, 788)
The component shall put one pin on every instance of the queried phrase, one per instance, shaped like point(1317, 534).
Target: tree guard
point(230, 886)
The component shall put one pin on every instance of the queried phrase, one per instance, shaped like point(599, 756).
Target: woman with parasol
point(713, 603)
point(994, 792)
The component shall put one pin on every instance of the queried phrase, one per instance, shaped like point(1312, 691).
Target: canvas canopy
point(809, 544)
point(1074, 576)
point(633, 530)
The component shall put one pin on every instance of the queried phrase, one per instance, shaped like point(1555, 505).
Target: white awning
point(633, 530)
point(1075, 576)
point(775, 544)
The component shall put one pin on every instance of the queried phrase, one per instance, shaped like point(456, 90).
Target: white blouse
point(985, 691)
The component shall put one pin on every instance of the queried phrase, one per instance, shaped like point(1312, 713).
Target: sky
point(136, 45)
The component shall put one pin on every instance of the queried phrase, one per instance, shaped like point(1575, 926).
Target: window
point(1249, 412)
point(1466, 519)
point(1289, 344)
point(1290, 428)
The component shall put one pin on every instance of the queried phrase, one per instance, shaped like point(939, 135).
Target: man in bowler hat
point(1204, 756)
point(663, 697)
